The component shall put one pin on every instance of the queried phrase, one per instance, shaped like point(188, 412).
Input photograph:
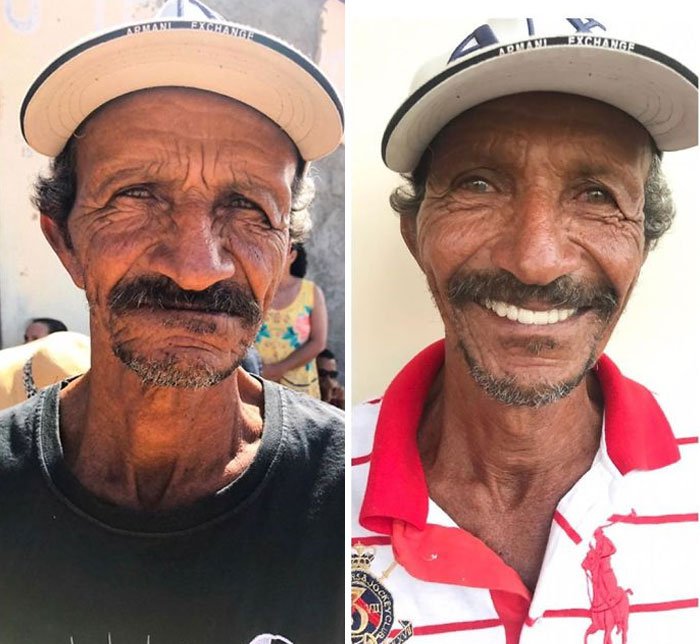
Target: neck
point(499, 471)
point(157, 448)
point(512, 451)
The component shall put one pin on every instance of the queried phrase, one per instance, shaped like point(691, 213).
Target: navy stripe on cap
point(258, 37)
point(557, 41)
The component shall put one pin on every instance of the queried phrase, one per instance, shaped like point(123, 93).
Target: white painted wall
point(656, 342)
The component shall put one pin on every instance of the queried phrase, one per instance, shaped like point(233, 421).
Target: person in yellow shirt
point(295, 329)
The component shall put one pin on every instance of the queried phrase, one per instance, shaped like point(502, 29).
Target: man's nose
point(193, 253)
point(535, 245)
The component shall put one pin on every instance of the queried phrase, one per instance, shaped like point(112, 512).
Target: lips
point(527, 316)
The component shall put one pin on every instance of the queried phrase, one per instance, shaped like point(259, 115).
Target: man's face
point(180, 231)
point(531, 236)
point(327, 376)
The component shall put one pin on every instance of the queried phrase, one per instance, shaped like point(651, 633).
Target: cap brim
point(652, 88)
point(234, 61)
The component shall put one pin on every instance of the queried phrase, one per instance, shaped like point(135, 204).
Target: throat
point(152, 485)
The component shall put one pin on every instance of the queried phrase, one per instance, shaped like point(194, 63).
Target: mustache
point(564, 292)
point(160, 292)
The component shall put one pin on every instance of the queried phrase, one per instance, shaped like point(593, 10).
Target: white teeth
point(525, 316)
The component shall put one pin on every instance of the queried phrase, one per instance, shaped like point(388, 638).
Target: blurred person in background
point(295, 329)
point(27, 368)
point(41, 327)
point(332, 391)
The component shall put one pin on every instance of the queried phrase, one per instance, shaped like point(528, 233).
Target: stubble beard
point(563, 293)
point(171, 372)
point(507, 390)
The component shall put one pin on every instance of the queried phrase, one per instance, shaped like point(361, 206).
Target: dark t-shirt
point(263, 555)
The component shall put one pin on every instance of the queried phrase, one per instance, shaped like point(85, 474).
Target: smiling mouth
point(527, 316)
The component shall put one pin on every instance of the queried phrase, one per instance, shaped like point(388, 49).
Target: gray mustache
point(160, 292)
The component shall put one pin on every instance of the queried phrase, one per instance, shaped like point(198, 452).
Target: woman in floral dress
point(295, 329)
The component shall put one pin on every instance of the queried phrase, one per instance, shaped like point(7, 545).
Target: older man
point(512, 485)
point(167, 495)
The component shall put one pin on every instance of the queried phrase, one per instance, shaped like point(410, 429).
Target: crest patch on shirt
point(372, 604)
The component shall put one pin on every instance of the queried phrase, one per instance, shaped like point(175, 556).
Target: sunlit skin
point(541, 186)
point(197, 188)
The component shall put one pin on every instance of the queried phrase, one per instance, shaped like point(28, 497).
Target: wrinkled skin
point(197, 189)
point(540, 186)
point(194, 188)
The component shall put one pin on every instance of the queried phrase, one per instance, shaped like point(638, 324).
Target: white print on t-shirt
point(270, 639)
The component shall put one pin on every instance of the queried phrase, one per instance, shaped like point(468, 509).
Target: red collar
point(637, 436)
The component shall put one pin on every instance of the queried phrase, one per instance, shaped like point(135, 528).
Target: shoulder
point(313, 419)
point(311, 291)
point(17, 426)
point(312, 429)
point(310, 461)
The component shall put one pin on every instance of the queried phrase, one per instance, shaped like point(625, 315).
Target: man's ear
point(408, 232)
point(56, 236)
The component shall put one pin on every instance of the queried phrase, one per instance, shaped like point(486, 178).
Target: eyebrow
point(117, 177)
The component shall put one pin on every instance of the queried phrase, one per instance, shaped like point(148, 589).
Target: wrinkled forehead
point(204, 110)
point(506, 125)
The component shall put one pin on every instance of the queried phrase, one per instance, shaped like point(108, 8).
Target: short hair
point(327, 354)
point(55, 192)
point(659, 209)
point(52, 324)
point(298, 267)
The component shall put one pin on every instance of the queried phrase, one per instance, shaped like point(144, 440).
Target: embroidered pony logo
point(609, 603)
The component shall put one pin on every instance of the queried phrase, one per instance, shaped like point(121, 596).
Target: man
point(512, 485)
point(167, 495)
point(332, 391)
point(41, 327)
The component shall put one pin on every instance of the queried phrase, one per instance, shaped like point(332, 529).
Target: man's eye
point(136, 192)
point(598, 196)
point(476, 184)
point(239, 202)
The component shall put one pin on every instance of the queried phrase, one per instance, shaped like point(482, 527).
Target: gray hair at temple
point(659, 209)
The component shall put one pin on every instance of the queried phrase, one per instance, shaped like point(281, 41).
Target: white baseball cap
point(186, 45)
point(570, 55)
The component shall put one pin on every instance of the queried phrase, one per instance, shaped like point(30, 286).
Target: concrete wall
point(32, 33)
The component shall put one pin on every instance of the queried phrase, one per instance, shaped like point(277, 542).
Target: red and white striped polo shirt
point(620, 563)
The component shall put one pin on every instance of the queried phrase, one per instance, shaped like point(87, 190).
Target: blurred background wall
point(32, 34)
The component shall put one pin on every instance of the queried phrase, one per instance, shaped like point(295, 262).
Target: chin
point(525, 391)
point(173, 371)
